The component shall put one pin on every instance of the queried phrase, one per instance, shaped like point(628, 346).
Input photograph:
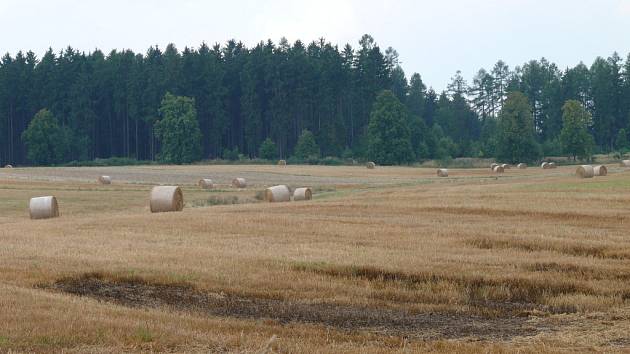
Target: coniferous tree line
point(259, 102)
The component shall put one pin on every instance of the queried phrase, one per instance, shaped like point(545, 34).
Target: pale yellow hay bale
point(43, 207)
point(625, 163)
point(585, 171)
point(206, 183)
point(282, 163)
point(8, 166)
point(493, 165)
point(370, 165)
point(302, 194)
point(522, 166)
point(545, 165)
point(552, 165)
point(442, 172)
point(239, 182)
point(498, 169)
point(277, 194)
point(105, 180)
point(600, 170)
point(166, 199)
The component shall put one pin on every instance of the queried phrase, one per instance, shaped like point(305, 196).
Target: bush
point(268, 150)
point(552, 147)
point(306, 147)
point(232, 155)
point(347, 153)
point(112, 161)
point(331, 161)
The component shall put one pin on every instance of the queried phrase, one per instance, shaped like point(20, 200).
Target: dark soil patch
point(135, 292)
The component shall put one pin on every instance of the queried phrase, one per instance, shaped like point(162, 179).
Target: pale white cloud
point(624, 7)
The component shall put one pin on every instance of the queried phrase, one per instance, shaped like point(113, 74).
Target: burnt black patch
point(136, 292)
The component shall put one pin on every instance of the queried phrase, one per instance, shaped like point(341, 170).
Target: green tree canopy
point(574, 136)
point(306, 146)
point(622, 140)
point(178, 130)
point(268, 150)
point(516, 140)
point(389, 136)
point(45, 140)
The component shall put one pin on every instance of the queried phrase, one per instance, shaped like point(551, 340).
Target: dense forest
point(256, 100)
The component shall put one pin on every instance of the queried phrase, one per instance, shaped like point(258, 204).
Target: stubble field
point(387, 260)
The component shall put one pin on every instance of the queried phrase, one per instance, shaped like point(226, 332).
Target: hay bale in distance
point(522, 166)
point(105, 180)
point(8, 166)
point(282, 162)
point(302, 194)
point(43, 207)
point(442, 172)
point(370, 165)
point(585, 171)
point(625, 163)
point(239, 182)
point(545, 166)
point(493, 165)
point(166, 199)
point(206, 183)
point(552, 165)
point(600, 170)
point(277, 194)
point(498, 169)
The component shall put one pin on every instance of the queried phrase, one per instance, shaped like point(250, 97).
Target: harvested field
point(390, 259)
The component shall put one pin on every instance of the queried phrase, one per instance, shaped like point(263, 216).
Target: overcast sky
point(434, 38)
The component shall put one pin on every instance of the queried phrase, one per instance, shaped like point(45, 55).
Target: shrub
point(268, 150)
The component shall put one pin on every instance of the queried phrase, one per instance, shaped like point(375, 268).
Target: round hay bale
point(624, 163)
point(370, 165)
point(522, 166)
point(43, 207)
point(239, 182)
point(8, 166)
point(302, 194)
point(506, 166)
point(105, 180)
point(278, 194)
point(493, 165)
point(282, 163)
point(552, 165)
point(585, 171)
point(206, 183)
point(498, 169)
point(166, 199)
point(442, 172)
point(545, 166)
point(600, 170)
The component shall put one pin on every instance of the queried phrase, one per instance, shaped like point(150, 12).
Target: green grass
point(144, 334)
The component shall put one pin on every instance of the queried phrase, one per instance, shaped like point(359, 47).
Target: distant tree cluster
point(300, 101)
